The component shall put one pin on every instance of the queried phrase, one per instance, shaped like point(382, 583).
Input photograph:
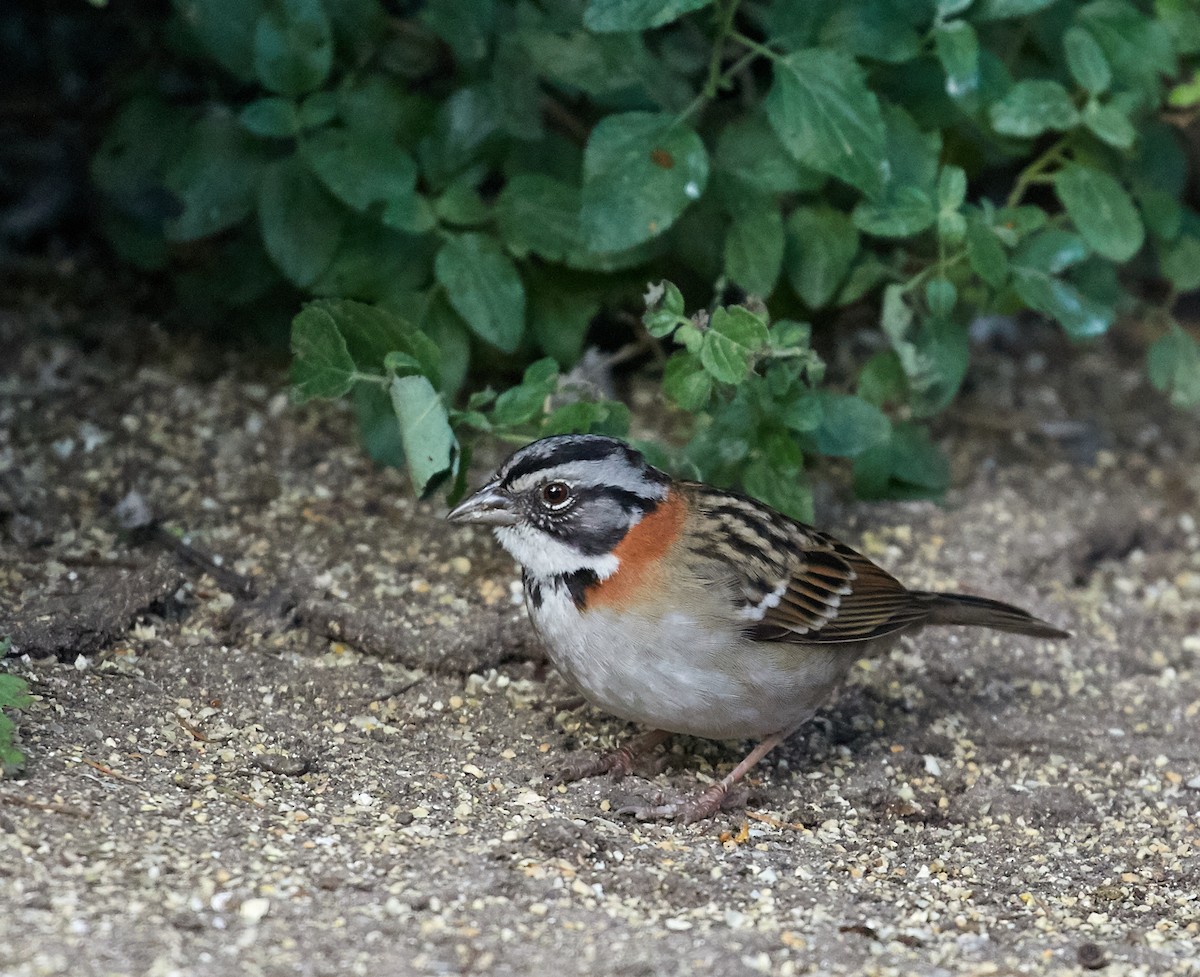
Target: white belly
point(670, 673)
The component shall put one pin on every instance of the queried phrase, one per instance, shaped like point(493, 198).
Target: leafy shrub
point(468, 183)
point(14, 694)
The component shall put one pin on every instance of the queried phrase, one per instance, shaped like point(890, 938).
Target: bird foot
point(617, 764)
point(689, 807)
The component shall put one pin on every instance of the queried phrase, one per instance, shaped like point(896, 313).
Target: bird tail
point(984, 613)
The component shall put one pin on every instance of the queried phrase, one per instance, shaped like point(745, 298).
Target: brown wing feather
point(871, 602)
point(800, 585)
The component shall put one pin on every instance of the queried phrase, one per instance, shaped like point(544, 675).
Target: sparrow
point(694, 609)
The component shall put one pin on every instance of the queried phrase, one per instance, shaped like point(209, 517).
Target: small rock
point(253, 910)
point(1091, 956)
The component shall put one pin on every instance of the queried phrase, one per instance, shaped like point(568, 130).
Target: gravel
point(344, 773)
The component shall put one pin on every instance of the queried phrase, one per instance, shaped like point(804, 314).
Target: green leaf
point(360, 168)
point(908, 466)
point(1159, 160)
point(800, 412)
point(215, 179)
point(461, 203)
point(225, 29)
point(515, 87)
point(664, 313)
point(12, 759)
point(1162, 212)
point(1173, 363)
point(1109, 123)
point(607, 67)
point(734, 335)
point(318, 109)
point(866, 274)
point(376, 104)
point(1004, 9)
point(450, 336)
point(482, 284)
point(588, 416)
point(378, 428)
point(1013, 224)
point(905, 206)
point(410, 214)
point(1052, 251)
point(270, 118)
point(429, 443)
point(896, 315)
point(559, 317)
point(1086, 60)
point(1180, 261)
point(1182, 19)
point(749, 150)
point(783, 489)
point(14, 691)
point(301, 225)
point(605, 16)
point(1138, 47)
point(940, 296)
point(754, 246)
point(1101, 210)
point(903, 213)
point(686, 382)
point(521, 404)
point(539, 215)
point(951, 187)
point(640, 170)
point(1186, 93)
point(828, 119)
point(821, 245)
point(949, 8)
point(466, 28)
point(943, 353)
point(878, 30)
point(321, 362)
point(957, 47)
point(293, 46)
point(986, 253)
point(401, 364)
point(882, 381)
point(849, 426)
point(375, 262)
point(1056, 298)
point(373, 333)
point(464, 123)
point(1032, 107)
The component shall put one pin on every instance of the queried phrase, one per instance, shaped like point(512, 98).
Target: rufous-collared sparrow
point(694, 609)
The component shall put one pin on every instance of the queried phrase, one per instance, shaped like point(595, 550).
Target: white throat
point(545, 557)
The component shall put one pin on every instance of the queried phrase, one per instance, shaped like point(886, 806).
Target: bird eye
point(556, 494)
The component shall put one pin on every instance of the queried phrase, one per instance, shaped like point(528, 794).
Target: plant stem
point(725, 17)
point(1033, 173)
point(713, 86)
point(753, 45)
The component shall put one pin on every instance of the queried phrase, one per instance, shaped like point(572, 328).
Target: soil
point(288, 721)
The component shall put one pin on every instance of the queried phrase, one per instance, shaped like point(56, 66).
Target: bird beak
point(487, 506)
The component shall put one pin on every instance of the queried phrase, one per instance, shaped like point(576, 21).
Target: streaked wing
point(797, 583)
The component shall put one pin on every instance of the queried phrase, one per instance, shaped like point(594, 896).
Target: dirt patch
point(343, 773)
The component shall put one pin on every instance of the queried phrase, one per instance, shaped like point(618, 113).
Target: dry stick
point(229, 580)
point(109, 771)
point(52, 806)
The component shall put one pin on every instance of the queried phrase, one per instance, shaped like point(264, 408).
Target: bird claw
point(617, 764)
point(688, 808)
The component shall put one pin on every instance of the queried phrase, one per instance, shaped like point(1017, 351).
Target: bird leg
point(618, 763)
point(705, 803)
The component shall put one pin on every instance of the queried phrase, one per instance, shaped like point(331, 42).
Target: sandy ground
point(331, 760)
